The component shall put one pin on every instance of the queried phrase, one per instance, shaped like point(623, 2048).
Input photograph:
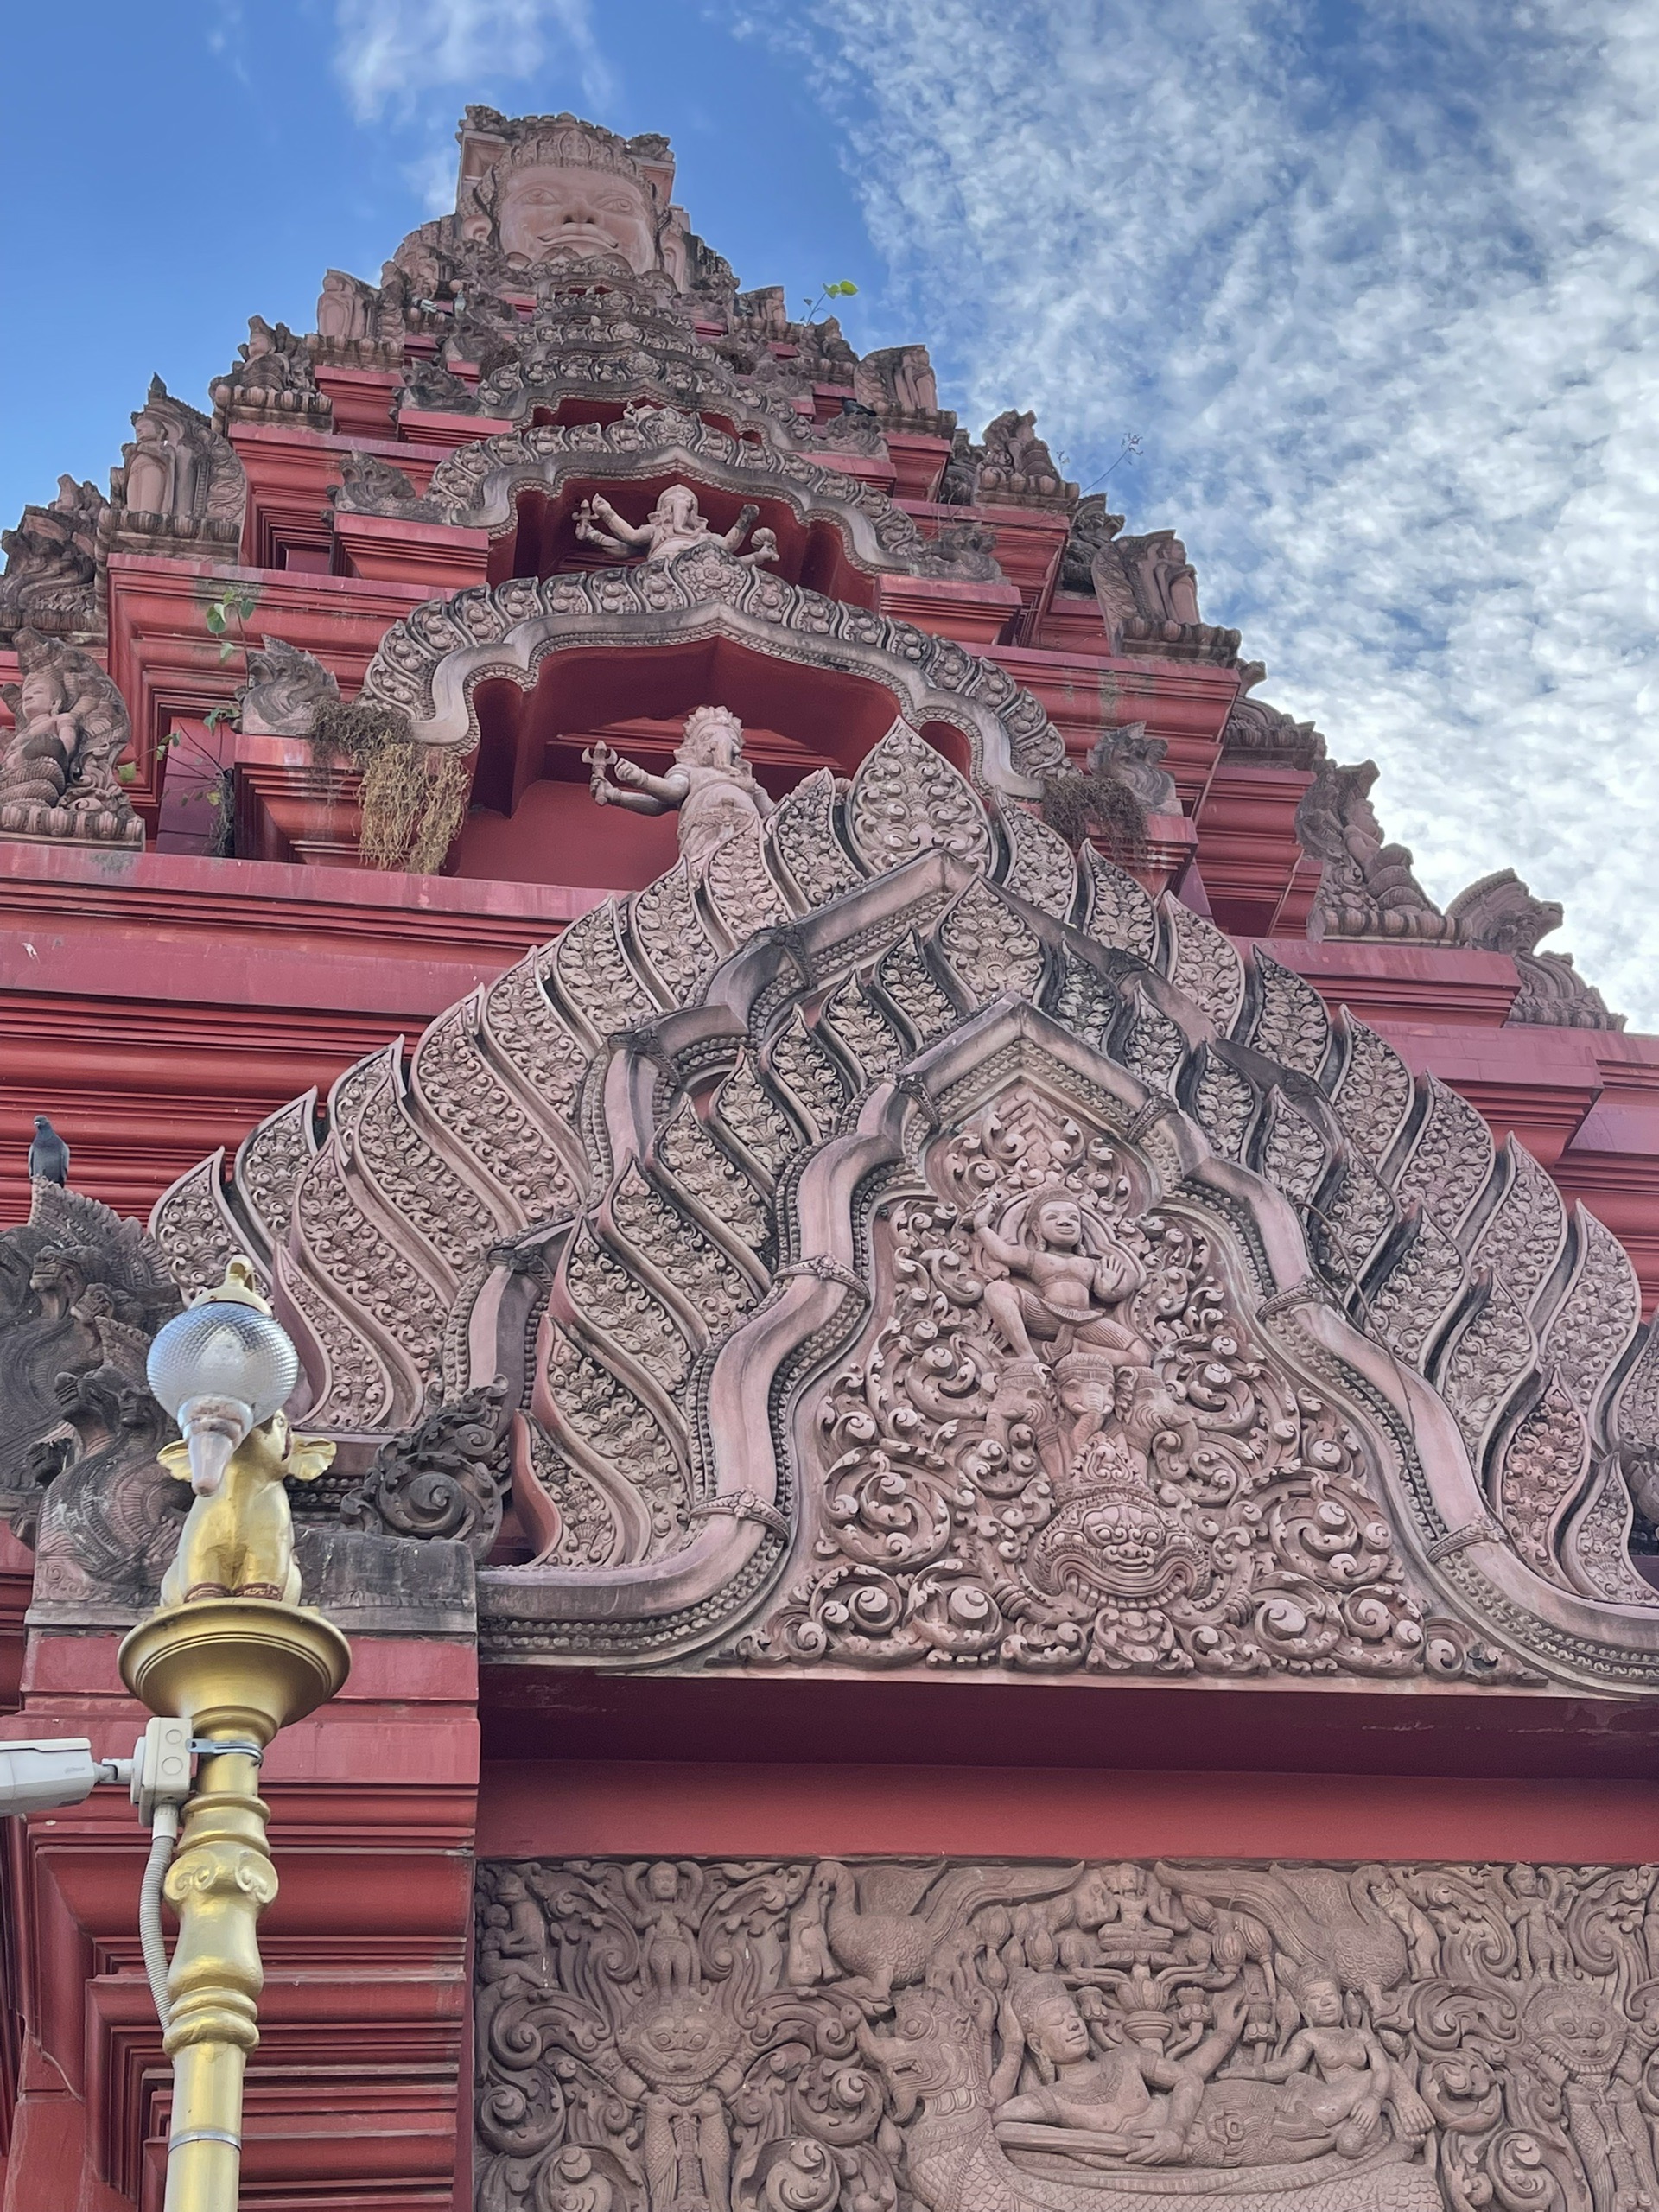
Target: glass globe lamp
point(221, 1368)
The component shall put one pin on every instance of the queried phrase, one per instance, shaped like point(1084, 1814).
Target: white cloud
point(391, 51)
point(1388, 316)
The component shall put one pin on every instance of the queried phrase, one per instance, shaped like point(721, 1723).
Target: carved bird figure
point(49, 1155)
point(1323, 1924)
point(882, 1927)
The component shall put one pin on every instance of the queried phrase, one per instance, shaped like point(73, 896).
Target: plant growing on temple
point(846, 290)
point(412, 798)
point(233, 605)
point(1081, 804)
point(216, 790)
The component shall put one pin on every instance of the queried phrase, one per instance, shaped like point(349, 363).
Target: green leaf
point(216, 714)
point(215, 619)
point(845, 290)
point(126, 772)
point(225, 652)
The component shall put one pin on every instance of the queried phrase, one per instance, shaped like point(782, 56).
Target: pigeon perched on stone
point(49, 1155)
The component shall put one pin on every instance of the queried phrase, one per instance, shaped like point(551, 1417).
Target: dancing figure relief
point(785, 2036)
point(1062, 1445)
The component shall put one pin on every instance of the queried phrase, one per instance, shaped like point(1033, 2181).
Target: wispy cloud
point(388, 52)
point(1384, 302)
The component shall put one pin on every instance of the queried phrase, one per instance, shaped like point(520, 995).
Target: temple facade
point(996, 1455)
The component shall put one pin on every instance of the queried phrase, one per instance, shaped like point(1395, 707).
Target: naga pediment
point(903, 1246)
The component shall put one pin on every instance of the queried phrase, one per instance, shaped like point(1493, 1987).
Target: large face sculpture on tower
point(548, 209)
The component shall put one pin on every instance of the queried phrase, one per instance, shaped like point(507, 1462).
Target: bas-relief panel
point(929, 2036)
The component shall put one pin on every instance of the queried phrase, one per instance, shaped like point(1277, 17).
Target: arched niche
point(532, 819)
point(541, 539)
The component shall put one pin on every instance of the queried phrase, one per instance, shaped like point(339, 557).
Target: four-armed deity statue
point(711, 786)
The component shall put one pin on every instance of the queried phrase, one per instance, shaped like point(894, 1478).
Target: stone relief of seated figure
point(1066, 1282)
point(57, 772)
point(1337, 2080)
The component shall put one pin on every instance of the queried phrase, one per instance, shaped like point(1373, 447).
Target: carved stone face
point(679, 2043)
point(663, 1882)
point(1056, 2028)
point(1322, 2005)
point(678, 508)
point(1579, 2027)
point(545, 210)
point(1059, 1224)
point(39, 695)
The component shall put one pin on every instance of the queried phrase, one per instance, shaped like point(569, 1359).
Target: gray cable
point(163, 1830)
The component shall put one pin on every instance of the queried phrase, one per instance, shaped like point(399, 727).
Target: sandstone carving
point(479, 485)
point(710, 786)
point(905, 1248)
point(282, 690)
point(702, 591)
point(270, 380)
point(675, 526)
point(1367, 888)
point(1500, 913)
point(49, 584)
point(57, 777)
point(800, 2036)
point(1016, 468)
point(445, 1479)
point(1264, 733)
point(1148, 596)
point(180, 487)
point(82, 1293)
point(1134, 759)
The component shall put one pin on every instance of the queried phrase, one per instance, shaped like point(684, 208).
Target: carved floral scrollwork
point(1064, 1450)
point(791, 2036)
point(447, 1477)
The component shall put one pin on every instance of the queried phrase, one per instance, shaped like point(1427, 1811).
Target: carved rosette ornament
point(898, 1248)
point(792, 2036)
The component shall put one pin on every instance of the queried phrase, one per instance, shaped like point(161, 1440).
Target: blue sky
point(1378, 288)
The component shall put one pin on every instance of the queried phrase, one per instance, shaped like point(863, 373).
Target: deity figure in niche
point(1128, 2102)
point(169, 467)
point(711, 786)
point(35, 766)
point(674, 526)
point(667, 1946)
point(1539, 1945)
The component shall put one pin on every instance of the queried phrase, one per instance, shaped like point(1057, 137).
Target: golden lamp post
point(233, 1655)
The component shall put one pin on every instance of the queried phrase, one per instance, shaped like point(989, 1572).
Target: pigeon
point(49, 1155)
